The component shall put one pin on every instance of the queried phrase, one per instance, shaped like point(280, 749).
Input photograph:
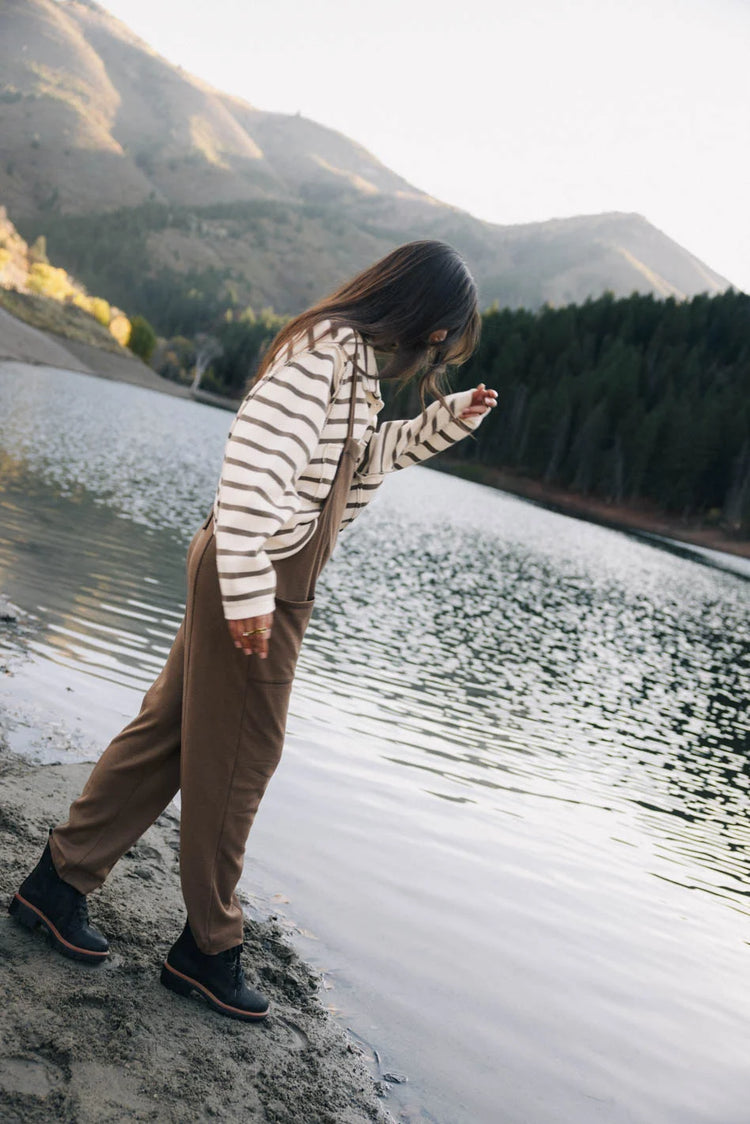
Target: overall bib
point(212, 724)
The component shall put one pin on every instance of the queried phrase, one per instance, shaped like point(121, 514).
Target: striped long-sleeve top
point(283, 447)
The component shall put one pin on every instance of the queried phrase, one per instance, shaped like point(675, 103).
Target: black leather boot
point(43, 898)
point(218, 978)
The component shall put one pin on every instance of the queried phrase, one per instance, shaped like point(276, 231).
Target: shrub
point(142, 338)
point(100, 310)
point(120, 328)
point(48, 281)
point(95, 306)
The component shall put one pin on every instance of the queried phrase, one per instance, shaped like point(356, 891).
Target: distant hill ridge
point(92, 120)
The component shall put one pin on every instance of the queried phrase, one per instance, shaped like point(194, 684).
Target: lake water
point(510, 823)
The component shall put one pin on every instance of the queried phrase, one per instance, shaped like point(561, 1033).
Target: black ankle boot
point(219, 978)
point(43, 898)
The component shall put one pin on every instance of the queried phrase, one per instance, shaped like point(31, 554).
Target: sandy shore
point(24, 344)
point(108, 1042)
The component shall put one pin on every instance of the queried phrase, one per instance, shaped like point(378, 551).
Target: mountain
point(135, 169)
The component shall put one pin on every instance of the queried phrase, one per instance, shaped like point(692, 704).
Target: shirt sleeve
point(397, 444)
point(272, 439)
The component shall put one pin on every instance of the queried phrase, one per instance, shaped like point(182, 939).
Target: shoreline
point(108, 1042)
point(21, 343)
point(620, 517)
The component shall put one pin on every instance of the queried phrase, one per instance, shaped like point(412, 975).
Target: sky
point(514, 110)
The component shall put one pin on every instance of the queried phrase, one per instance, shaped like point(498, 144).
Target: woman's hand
point(482, 401)
point(257, 642)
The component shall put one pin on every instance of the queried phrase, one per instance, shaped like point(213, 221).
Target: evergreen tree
point(634, 399)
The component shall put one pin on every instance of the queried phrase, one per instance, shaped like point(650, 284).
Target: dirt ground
point(108, 1043)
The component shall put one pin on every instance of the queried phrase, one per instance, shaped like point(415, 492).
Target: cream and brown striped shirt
point(283, 448)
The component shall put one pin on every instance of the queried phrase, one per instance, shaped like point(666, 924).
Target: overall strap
point(298, 572)
point(353, 393)
point(336, 482)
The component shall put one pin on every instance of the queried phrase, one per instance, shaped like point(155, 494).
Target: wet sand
point(108, 1042)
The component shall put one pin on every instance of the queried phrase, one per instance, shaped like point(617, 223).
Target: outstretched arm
point(397, 444)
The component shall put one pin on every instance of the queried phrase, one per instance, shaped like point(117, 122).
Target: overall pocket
point(290, 621)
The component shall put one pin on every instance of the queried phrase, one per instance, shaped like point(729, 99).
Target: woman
point(303, 457)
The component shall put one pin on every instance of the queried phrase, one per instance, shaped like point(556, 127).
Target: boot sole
point(30, 917)
point(184, 985)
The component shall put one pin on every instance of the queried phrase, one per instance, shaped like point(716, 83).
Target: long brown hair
point(395, 304)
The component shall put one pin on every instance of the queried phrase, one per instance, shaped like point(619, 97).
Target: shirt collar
point(351, 340)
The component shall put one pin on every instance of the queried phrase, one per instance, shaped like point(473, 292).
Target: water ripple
point(489, 655)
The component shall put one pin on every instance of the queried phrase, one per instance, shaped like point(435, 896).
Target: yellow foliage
point(119, 326)
point(48, 298)
point(49, 281)
point(95, 306)
point(100, 310)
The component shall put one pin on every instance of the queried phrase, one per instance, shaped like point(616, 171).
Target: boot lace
point(81, 910)
point(78, 910)
point(234, 961)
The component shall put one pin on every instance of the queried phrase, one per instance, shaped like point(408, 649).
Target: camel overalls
point(212, 724)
